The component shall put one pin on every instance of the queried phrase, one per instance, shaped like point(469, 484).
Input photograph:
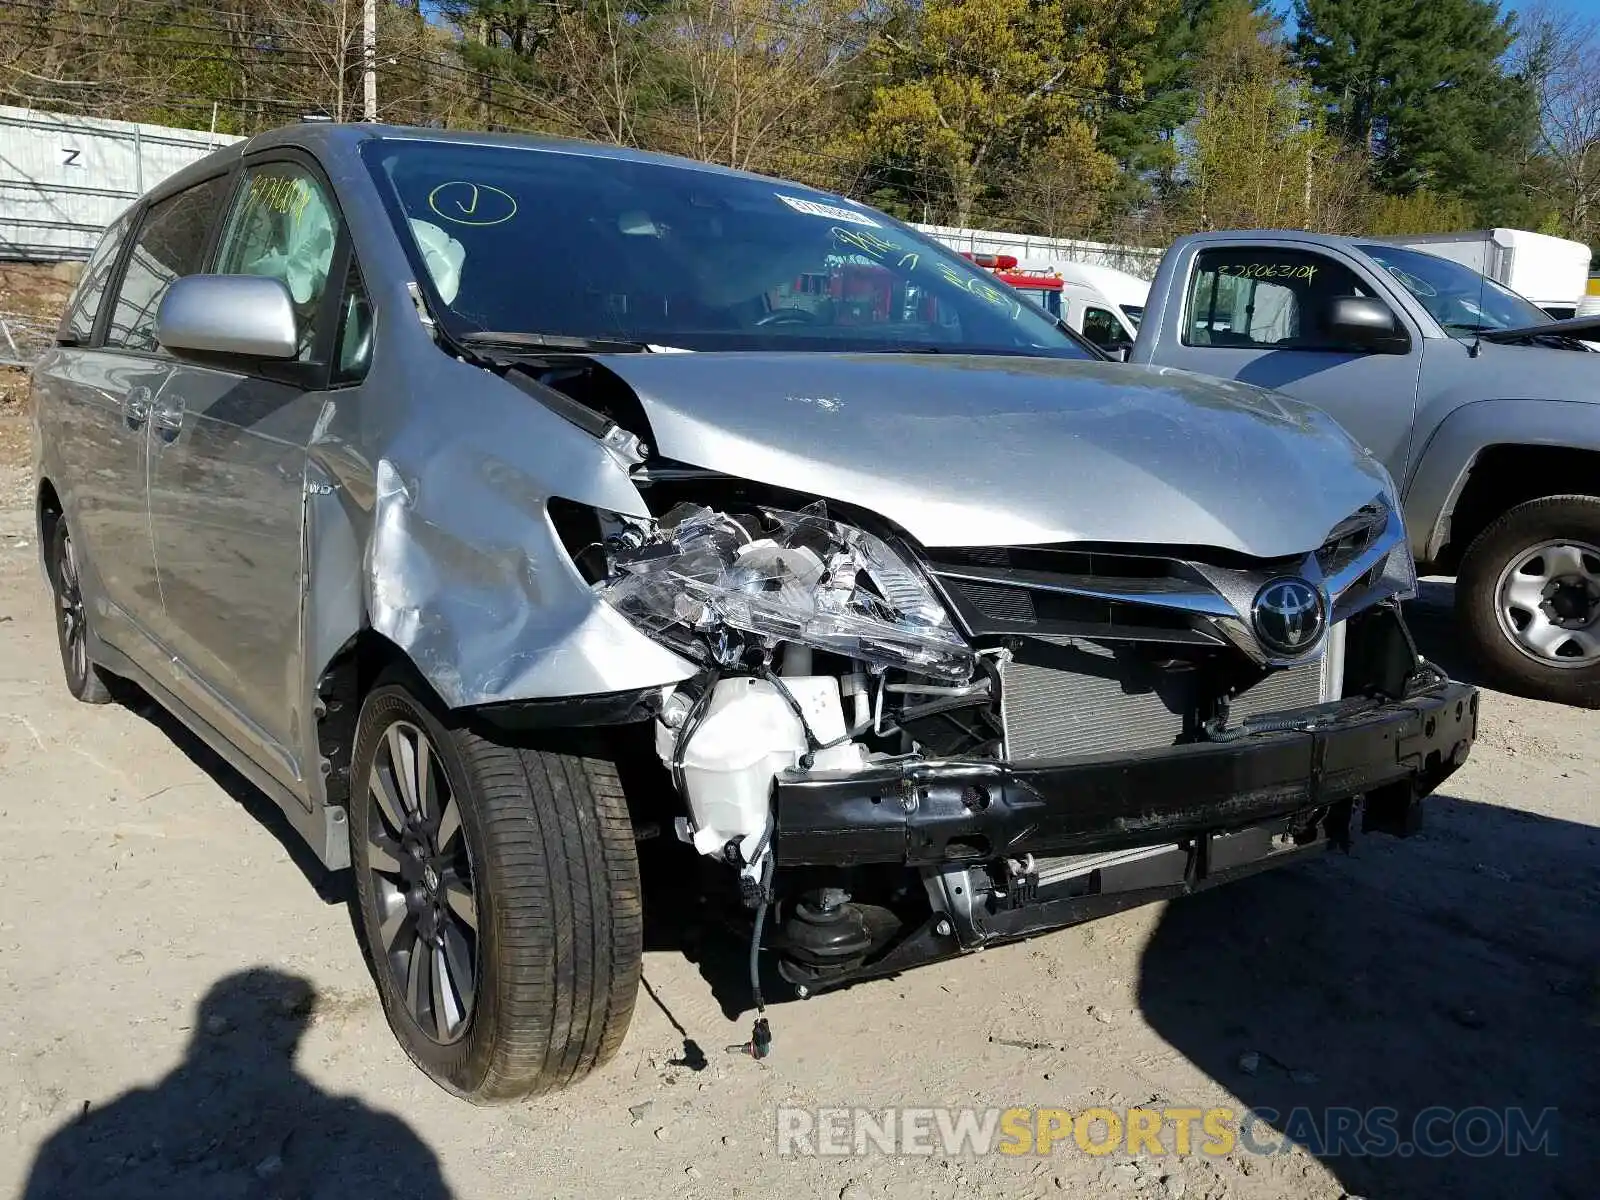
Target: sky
point(1589, 9)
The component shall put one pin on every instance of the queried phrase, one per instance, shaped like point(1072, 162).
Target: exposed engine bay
point(856, 748)
point(892, 723)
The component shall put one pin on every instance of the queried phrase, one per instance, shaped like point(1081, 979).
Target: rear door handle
point(169, 418)
point(136, 406)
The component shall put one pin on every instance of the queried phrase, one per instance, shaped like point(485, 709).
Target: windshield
point(580, 243)
point(1134, 313)
point(1048, 300)
point(1459, 298)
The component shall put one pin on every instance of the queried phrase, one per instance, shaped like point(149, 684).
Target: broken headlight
point(787, 576)
point(1367, 557)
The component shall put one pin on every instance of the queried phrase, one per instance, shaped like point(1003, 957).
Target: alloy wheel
point(1548, 603)
point(422, 883)
point(70, 614)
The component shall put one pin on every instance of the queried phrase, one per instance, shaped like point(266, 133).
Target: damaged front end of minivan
point(896, 753)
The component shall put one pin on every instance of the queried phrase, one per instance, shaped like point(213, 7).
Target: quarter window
point(1260, 298)
point(284, 227)
point(355, 330)
point(171, 244)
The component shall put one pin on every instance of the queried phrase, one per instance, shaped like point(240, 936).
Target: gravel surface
point(187, 1012)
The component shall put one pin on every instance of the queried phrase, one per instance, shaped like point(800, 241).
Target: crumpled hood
point(995, 451)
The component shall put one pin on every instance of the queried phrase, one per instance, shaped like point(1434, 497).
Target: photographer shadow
point(235, 1119)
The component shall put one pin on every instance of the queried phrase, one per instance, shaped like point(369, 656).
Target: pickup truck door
point(1257, 312)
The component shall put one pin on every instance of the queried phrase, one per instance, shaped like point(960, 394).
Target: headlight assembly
point(790, 576)
point(1367, 557)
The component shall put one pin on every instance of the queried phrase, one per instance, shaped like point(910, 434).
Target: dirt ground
point(186, 1012)
point(32, 298)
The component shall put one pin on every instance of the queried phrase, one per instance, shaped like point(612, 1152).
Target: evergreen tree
point(1425, 89)
point(1143, 137)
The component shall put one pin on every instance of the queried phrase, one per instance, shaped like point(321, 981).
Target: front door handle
point(136, 406)
point(169, 418)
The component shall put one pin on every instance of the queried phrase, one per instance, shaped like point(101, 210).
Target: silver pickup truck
point(1486, 414)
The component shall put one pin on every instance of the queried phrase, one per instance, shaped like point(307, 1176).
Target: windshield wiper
point(1573, 328)
point(517, 340)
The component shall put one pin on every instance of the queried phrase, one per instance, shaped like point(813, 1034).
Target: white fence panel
point(65, 178)
point(1136, 260)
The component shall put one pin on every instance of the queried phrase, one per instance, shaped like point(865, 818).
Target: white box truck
point(1552, 272)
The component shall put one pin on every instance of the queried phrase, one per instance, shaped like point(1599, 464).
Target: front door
point(228, 477)
point(1259, 313)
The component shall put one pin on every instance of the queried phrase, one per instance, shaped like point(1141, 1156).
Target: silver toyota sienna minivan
point(491, 502)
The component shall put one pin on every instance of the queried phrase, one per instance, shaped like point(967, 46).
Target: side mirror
point(1119, 350)
point(1367, 322)
point(248, 316)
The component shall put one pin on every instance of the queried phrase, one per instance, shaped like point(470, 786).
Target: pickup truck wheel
point(1528, 594)
point(84, 680)
point(497, 888)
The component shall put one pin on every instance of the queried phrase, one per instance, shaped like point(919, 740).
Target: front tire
point(1528, 596)
point(84, 679)
point(498, 893)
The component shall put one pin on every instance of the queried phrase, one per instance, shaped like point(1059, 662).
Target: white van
point(1092, 313)
point(1063, 290)
point(1127, 293)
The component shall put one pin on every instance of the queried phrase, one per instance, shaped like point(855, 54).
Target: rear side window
point(77, 325)
point(1258, 297)
point(171, 243)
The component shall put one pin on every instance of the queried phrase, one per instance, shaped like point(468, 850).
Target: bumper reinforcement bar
point(940, 813)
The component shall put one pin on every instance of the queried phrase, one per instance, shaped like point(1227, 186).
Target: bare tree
point(1561, 50)
point(759, 78)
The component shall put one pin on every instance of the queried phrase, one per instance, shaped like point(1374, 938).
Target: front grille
point(1066, 591)
point(997, 603)
point(1116, 651)
point(1150, 594)
point(1104, 703)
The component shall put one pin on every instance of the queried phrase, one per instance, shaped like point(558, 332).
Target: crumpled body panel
point(460, 566)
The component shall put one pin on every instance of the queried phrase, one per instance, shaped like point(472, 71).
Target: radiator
point(1052, 712)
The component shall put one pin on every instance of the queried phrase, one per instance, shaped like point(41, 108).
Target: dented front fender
point(433, 531)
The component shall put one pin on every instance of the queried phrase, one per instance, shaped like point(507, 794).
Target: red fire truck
point(1042, 287)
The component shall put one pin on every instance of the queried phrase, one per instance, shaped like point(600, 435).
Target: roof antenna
point(1483, 288)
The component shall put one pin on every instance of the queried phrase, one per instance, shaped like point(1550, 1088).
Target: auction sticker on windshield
point(832, 211)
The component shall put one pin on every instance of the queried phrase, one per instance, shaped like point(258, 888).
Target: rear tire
point(86, 681)
point(530, 892)
point(1528, 597)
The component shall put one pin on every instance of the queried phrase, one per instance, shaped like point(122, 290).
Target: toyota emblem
point(1288, 616)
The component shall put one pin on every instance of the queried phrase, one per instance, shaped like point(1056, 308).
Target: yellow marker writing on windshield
point(869, 244)
point(464, 203)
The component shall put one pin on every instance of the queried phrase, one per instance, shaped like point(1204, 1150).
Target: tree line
point(1129, 121)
